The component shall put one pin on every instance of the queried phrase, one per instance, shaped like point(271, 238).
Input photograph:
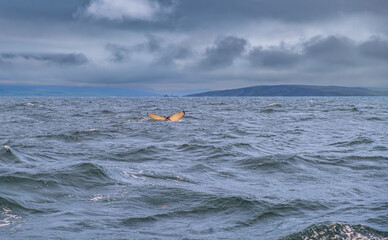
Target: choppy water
point(232, 168)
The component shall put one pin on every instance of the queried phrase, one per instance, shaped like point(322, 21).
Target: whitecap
point(8, 217)
point(91, 130)
point(274, 105)
point(97, 198)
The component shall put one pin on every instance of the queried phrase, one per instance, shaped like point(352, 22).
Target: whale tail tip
point(173, 118)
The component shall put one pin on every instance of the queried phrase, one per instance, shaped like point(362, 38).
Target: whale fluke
point(175, 117)
point(156, 117)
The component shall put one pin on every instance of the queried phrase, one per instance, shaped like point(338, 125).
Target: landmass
point(263, 90)
point(294, 90)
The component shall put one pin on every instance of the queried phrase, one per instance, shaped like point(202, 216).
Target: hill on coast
point(294, 90)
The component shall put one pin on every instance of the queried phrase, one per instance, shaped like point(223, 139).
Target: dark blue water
point(232, 168)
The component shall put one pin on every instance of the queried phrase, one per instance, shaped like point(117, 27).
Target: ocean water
point(232, 168)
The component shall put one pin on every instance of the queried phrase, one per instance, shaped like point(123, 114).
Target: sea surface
point(232, 168)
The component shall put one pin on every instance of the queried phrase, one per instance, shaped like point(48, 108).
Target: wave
point(347, 108)
point(200, 148)
point(78, 175)
point(83, 175)
point(14, 205)
point(23, 104)
point(10, 155)
point(306, 118)
point(197, 204)
point(284, 163)
point(158, 176)
point(274, 105)
point(216, 103)
point(374, 119)
point(297, 163)
point(27, 187)
point(354, 162)
point(237, 211)
point(79, 135)
point(357, 141)
point(106, 111)
point(26, 179)
point(338, 231)
point(142, 154)
point(381, 148)
point(271, 110)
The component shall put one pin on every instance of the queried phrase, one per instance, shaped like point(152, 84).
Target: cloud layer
point(184, 44)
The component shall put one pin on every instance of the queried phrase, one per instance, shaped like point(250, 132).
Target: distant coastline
point(69, 91)
point(294, 90)
point(8, 90)
point(261, 90)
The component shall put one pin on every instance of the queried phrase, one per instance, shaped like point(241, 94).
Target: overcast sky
point(194, 44)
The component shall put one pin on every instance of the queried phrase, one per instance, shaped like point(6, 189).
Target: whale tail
point(175, 117)
point(156, 117)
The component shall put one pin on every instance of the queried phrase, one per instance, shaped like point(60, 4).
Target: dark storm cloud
point(223, 52)
point(272, 58)
point(72, 59)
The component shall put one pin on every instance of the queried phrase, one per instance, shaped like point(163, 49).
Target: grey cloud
point(211, 12)
point(120, 53)
point(117, 52)
point(152, 43)
point(203, 10)
point(331, 50)
point(163, 54)
point(188, 14)
point(375, 48)
point(172, 53)
point(72, 59)
point(325, 53)
point(272, 58)
point(223, 52)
